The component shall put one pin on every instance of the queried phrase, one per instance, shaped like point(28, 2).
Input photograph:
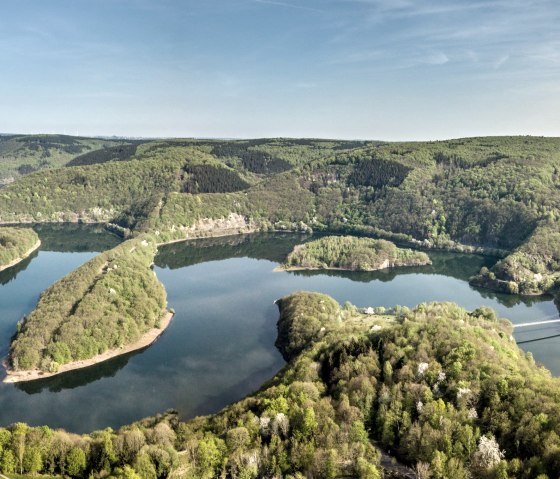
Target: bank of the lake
point(24, 256)
point(16, 244)
point(108, 302)
point(223, 333)
point(146, 340)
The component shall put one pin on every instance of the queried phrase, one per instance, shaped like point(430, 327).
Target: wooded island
point(353, 254)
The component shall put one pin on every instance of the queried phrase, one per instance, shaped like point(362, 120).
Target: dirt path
point(148, 338)
point(394, 469)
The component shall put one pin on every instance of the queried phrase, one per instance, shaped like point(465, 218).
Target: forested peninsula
point(94, 313)
point(16, 244)
point(445, 390)
point(353, 254)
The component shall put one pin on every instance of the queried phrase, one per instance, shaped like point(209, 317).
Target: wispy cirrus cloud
point(296, 6)
point(501, 61)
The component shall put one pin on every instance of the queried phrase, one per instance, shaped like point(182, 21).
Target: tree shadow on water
point(79, 377)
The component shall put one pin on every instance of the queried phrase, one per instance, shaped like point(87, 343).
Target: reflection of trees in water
point(65, 238)
point(384, 275)
point(457, 265)
point(79, 377)
point(454, 265)
point(511, 300)
point(276, 246)
point(269, 246)
point(74, 238)
point(9, 274)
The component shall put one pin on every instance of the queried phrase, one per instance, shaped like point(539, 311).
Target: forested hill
point(499, 193)
point(24, 154)
point(444, 390)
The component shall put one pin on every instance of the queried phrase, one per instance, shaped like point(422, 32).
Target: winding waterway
point(220, 345)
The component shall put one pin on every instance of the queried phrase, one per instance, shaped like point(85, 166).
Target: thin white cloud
point(501, 61)
point(278, 3)
point(438, 58)
point(365, 56)
point(416, 8)
point(547, 53)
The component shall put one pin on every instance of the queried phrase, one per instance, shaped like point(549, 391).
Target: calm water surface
point(220, 345)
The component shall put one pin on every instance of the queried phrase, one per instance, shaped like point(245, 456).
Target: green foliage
point(378, 173)
point(212, 179)
point(89, 193)
point(106, 303)
point(349, 252)
point(498, 194)
point(298, 330)
point(113, 153)
point(24, 154)
point(281, 199)
point(76, 462)
point(439, 387)
point(252, 160)
point(15, 243)
point(533, 268)
point(183, 216)
point(441, 378)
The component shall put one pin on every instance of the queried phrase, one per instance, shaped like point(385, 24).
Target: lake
point(220, 344)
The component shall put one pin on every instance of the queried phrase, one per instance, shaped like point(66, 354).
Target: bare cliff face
point(234, 223)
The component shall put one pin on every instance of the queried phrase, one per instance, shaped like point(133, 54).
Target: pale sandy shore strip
point(282, 267)
point(19, 260)
point(146, 340)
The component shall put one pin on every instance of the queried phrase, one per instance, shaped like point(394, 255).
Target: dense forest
point(108, 302)
point(24, 154)
point(16, 243)
point(112, 153)
point(356, 254)
point(445, 390)
point(495, 194)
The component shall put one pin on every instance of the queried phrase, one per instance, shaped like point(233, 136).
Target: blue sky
point(368, 69)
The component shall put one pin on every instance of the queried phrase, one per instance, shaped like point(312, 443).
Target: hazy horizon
point(249, 138)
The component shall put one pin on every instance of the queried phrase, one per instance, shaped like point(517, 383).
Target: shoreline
point(145, 340)
point(413, 243)
point(221, 234)
point(19, 260)
point(280, 268)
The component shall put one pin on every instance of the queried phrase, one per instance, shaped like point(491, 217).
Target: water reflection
point(220, 345)
point(80, 377)
point(75, 238)
point(10, 274)
point(270, 246)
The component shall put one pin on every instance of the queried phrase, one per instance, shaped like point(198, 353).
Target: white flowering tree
point(488, 454)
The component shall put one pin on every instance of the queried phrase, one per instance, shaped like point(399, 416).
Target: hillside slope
point(499, 195)
point(24, 154)
point(447, 391)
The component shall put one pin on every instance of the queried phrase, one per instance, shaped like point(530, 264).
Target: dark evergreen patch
point(378, 173)
point(212, 179)
point(114, 153)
